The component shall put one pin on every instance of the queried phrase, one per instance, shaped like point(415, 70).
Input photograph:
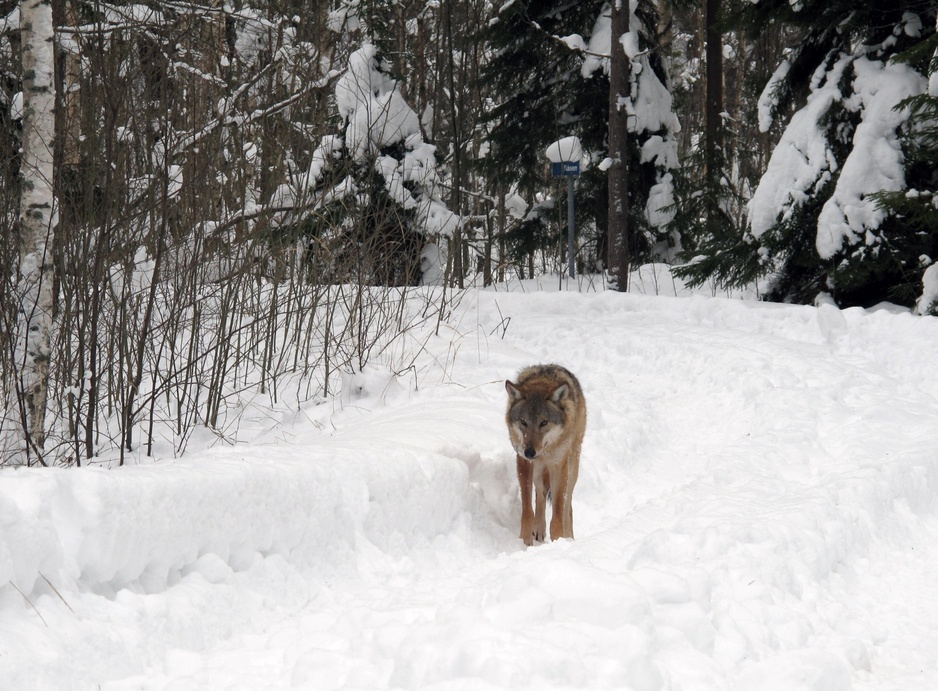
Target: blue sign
point(565, 169)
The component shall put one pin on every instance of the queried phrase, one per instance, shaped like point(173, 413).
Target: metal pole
point(570, 243)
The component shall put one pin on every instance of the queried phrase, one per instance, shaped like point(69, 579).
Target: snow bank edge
point(143, 528)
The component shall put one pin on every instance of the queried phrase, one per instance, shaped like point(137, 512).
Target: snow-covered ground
point(757, 510)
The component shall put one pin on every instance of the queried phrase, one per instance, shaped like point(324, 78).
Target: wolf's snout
point(530, 452)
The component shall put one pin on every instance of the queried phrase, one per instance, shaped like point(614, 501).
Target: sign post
point(565, 157)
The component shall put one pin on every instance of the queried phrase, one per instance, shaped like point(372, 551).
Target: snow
point(650, 104)
point(344, 18)
point(516, 206)
point(928, 301)
point(574, 42)
point(660, 151)
point(133, 13)
point(432, 265)
point(252, 35)
point(630, 44)
point(567, 149)
point(876, 162)
point(649, 107)
point(376, 116)
point(756, 510)
point(10, 22)
point(803, 161)
point(659, 209)
point(768, 101)
point(911, 24)
point(368, 99)
point(135, 278)
point(599, 44)
point(16, 107)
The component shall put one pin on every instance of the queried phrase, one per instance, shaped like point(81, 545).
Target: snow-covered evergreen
point(815, 221)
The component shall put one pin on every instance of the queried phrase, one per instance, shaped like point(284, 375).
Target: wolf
point(546, 420)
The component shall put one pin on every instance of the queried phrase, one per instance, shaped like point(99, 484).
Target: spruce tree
point(371, 197)
point(549, 78)
point(915, 209)
point(539, 96)
point(814, 224)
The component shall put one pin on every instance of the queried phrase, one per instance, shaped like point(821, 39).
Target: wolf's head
point(536, 418)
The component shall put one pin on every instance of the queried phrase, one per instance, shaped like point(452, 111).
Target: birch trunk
point(37, 214)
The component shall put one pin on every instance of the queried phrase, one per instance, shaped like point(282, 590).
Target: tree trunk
point(618, 232)
point(69, 127)
point(714, 107)
point(37, 213)
point(456, 114)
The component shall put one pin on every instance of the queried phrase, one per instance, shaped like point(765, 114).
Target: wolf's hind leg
point(573, 471)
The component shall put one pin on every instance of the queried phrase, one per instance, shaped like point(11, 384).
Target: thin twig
point(29, 601)
point(54, 590)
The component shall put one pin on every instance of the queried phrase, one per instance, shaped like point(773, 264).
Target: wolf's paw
point(533, 536)
point(540, 530)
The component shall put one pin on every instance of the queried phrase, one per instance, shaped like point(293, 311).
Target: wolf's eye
point(543, 423)
point(524, 423)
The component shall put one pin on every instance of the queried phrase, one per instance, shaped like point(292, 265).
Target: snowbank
point(145, 528)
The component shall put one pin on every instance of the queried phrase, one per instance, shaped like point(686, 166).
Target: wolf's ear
point(513, 391)
point(559, 394)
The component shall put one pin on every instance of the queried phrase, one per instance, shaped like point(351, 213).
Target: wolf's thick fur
point(546, 422)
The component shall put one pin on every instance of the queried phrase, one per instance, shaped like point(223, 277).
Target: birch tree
point(37, 218)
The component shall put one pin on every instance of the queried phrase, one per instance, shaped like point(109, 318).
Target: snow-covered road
point(757, 510)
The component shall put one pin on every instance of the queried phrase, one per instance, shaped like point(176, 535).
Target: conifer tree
point(549, 76)
point(813, 223)
point(538, 97)
point(915, 209)
point(373, 191)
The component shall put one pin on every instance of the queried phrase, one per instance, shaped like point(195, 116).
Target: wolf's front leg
point(525, 479)
point(558, 493)
point(541, 483)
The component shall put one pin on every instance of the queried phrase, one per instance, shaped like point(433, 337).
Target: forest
point(205, 199)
